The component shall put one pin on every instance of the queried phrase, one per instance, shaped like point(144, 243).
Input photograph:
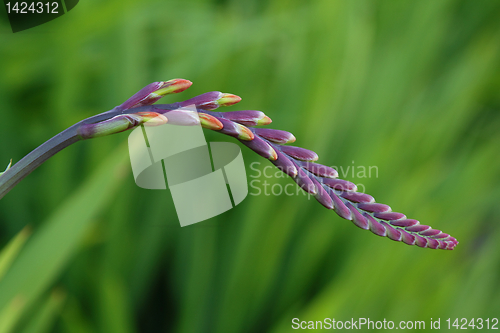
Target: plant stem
point(35, 158)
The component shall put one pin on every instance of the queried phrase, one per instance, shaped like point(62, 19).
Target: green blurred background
point(411, 87)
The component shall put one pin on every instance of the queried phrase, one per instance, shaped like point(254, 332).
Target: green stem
point(34, 159)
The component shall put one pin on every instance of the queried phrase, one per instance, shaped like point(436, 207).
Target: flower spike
point(319, 180)
point(298, 163)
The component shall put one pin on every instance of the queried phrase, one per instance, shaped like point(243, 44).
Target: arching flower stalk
point(318, 180)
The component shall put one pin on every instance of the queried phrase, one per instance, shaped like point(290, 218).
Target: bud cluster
point(298, 163)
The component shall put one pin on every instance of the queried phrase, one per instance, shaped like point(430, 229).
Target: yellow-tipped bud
point(210, 122)
point(264, 121)
point(228, 99)
point(244, 133)
point(152, 118)
point(173, 87)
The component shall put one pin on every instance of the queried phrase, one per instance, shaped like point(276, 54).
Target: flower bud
point(120, 123)
point(262, 148)
point(228, 100)
point(374, 207)
point(284, 164)
point(154, 91)
point(340, 184)
point(300, 153)
point(276, 136)
point(357, 218)
point(392, 233)
point(322, 196)
point(320, 170)
point(152, 118)
point(244, 133)
point(376, 227)
point(212, 100)
point(210, 122)
point(247, 117)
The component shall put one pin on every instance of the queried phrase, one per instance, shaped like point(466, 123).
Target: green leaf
point(48, 251)
point(11, 313)
point(44, 318)
point(11, 250)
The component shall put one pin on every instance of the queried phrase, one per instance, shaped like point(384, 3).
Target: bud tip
point(228, 99)
point(264, 121)
point(210, 122)
point(173, 87)
point(244, 133)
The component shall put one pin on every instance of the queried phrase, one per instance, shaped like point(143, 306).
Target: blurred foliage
point(410, 87)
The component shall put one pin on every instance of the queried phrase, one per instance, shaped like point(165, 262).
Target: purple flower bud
point(418, 228)
point(375, 226)
point(339, 206)
point(420, 241)
point(284, 164)
point(374, 207)
point(228, 127)
point(304, 181)
point(141, 95)
point(441, 235)
point(259, 146)
point(212, 100)
point(275, 136)
point(450, 246)
point(390, 216)
point(432, 243)
point(357, 197)
point(320, 170)
point(430, 232)
point(300, 153)
point(322, 196)
point(340, 184)
point(407, 238)
point(392, 233)
point(233, 129)
point(203, 99)
point(404, 223)
point(154, 91)
point(247, 117)
point(357, 218)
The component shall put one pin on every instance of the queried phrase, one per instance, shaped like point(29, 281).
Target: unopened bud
point(154, 91)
